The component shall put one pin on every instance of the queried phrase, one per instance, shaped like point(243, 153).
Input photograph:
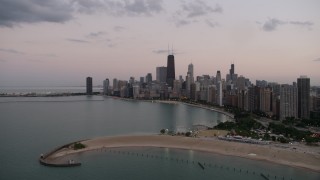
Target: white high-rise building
point(288, 101)
point(220, 93)
point(190, 71)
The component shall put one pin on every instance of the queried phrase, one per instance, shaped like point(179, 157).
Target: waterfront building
point(190, 72)
point(220, 95)
point(212, 97)
point(193, 91)
point(131, 80)
point(123, 91)
point(188, 84)
point(219, 87)
point(170, 70)
point(265, 100)
point(218, 77)
point(254, 98)
point(231, 78)
point(181, 79)
point(141, 80)
point(288, 101)
point(89, 85)
point(177, 85)
point(241, 83)
point(136, 91)
point(261, 83)
point(303, 97)
point(243, 100)
point(315, 111)
point(161, 74)
point(115, 84)
point(149, 78)
point(106, 84)
point(275, 87)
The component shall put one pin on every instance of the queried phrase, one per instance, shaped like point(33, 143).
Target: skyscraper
point(161, 75)
point(141, 80)
point(304, 97)
point(288, 101)
point(106, 84)
point(190, 71)
point(115, 84)
point(232, 69)
point(218, 77)
point(89, 85)
point(149, 78)
point(231, 77)
point(219, 87)
point(170, 70)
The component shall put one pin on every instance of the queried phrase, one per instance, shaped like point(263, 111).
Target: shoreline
point(266, 153)
point(230, 115)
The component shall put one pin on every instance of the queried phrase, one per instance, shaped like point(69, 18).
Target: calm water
point(30, 126)
point(44, 90)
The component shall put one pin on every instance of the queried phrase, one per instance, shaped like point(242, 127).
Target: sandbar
point(269, 153)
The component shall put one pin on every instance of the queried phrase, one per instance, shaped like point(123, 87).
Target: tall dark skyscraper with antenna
point(232, 69)
point(170, 70)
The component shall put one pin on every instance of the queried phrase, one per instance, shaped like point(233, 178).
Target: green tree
point(78, 145)
point(188, 134)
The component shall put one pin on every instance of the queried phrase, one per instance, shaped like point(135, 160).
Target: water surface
point(31, 126)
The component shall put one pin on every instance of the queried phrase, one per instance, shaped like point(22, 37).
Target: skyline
point(60, 42)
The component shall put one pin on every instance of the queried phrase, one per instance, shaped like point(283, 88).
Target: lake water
point(31, 126)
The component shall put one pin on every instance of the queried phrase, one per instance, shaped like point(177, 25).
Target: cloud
point(302, 23)
point(160, 51)
point(272, 24)
point(119, 28)
point(120, 7)
point(182, 22)
point(306, 24)
point(211, 24)
point(96, 34)
point(317, 60)
point(89, 6)
point(200, 8)
point(13, 12)
point(146, 7)
point(194, 12)
point(2, 60)
point(77, 40)
point(12, 51)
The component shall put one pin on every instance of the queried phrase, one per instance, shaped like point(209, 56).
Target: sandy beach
point(269, 153)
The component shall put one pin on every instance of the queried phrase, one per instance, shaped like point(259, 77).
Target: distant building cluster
point(297, 100)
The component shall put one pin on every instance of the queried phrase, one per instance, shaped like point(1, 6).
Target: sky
point(61, 42)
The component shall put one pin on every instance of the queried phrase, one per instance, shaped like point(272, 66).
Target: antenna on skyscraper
point(172, 49)
point(168, 50)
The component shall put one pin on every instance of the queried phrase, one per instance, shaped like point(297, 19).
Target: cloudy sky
point(60, 42)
